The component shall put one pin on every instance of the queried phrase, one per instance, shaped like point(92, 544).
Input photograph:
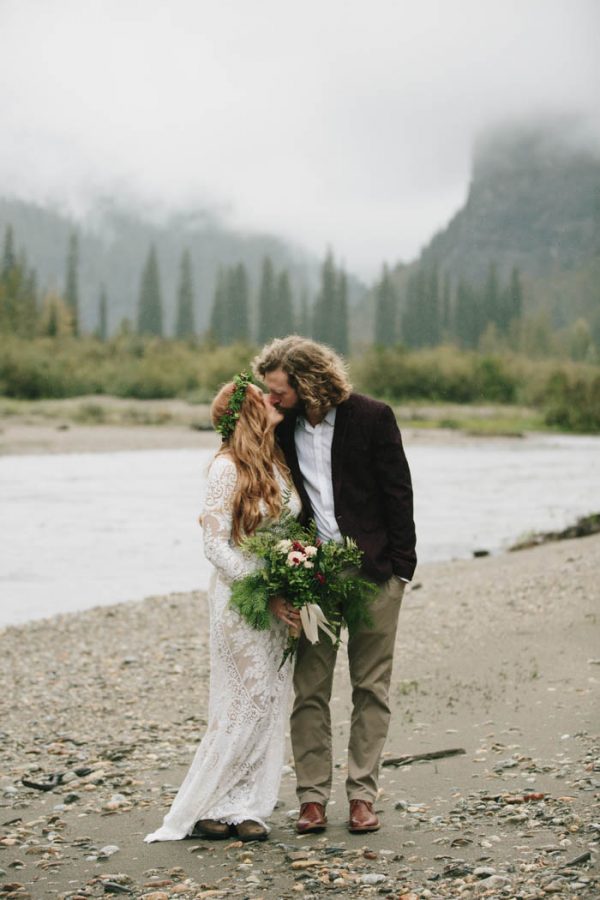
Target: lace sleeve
point(228, 559)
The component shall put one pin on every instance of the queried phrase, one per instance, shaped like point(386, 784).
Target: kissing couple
point(310, 444)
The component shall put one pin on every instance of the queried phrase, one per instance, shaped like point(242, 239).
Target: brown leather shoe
point(210, 828)
point(249, 830)
point(362, 817)
point(312, 818)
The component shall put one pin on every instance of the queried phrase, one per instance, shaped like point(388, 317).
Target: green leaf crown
point(226, 424)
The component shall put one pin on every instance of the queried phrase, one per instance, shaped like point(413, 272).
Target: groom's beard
point(298, 410)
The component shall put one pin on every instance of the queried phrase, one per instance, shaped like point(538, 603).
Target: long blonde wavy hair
point(314, 370)
point(256, 456)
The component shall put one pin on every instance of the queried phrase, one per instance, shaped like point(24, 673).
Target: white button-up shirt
point(313, 446)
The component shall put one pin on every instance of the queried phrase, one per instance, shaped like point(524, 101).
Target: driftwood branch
point(417, 757)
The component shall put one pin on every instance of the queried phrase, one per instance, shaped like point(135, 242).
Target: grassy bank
point(518, 393)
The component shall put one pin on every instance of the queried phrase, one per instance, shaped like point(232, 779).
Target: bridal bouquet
point(317, 577)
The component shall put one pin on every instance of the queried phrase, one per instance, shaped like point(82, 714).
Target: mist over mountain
point(113, 246)
point(533, 203)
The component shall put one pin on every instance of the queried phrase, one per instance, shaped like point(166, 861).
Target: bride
point(233, 781)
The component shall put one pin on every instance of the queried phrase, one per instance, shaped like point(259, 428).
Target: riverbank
point(496, 656)
point(101, 423)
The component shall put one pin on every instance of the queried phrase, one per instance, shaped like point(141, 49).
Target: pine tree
point(237, 304)
point(185, 326)
point(326, 303)
point(218, 325)
point(72, 281)
point(267, 317)
point(386, 303)
point(514, 299)
point(150, 318)
point(492, 301)
point(431, 313)
point(414, 320)
point(303, 325)
point(103, 315)
point(285, 305)
point(446, 307)
point(18, 291)
point(9, 257)
point(468, 320)
point(56, 318)
point(340, 322)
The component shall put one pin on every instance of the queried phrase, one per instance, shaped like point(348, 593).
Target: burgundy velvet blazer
point(372, 487)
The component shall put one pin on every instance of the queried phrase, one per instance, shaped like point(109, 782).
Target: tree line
point(430, 311)
point(417, 308)
point(238, 313)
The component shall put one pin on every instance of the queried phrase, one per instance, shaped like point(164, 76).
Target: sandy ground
point(18, 437)
point(498, 656)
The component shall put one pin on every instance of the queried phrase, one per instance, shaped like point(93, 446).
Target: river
point(80, 530)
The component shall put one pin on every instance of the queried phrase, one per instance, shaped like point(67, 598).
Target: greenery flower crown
point(226, 424)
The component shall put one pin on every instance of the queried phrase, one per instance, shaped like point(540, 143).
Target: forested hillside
point(113, 250)
point(521, 256)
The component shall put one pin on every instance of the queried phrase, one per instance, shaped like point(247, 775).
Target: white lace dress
point(236, 772)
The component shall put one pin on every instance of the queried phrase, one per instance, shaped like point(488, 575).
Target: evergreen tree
point(492, 301)
point(468, 321)
point(103, 315)
point(340, 321)
point(432, 330)
point(218, 316)
point(414, 324)
point(9, 257)
point(237, 304)
point(267, 313)
point(150, 317)
point(185, 326)
point(446, 307)
point(56, 318)
point(18, 291)
point(326, 303)
point(514, 298)
point(72, 281)
point(303, 325)
point(386, 302)
point(285, 305)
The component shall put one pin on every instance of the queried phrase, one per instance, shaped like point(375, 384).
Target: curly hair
point(252, 448)
point(315, 371)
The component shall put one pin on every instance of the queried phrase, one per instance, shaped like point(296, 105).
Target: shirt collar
point(301, 422)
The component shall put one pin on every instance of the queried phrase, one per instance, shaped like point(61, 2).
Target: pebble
point(504, 819)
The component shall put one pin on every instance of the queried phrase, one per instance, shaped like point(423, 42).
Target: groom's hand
point(284, 611)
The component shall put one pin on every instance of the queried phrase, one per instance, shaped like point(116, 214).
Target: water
point(82, 530)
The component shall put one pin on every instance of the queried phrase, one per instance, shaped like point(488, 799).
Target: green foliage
point(103, 315)
point(386, 308)
point(124, 366)
point(267, 306)
point(150, 316)
point(330, 315)
point(573, 404)
point(18, 292)
point(285, 304)
point(304, 570)
point(71, 294)
point(185, 325)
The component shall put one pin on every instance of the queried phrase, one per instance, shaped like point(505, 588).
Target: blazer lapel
point(286, 433)
point(343, 417)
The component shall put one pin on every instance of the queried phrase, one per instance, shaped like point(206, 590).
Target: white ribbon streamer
point(313, 618)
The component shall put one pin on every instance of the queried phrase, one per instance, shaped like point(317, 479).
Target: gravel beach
point(498, 657)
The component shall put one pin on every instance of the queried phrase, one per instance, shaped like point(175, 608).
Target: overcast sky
point(347, 123)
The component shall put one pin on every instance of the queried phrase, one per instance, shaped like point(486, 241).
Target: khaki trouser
point(370, 658)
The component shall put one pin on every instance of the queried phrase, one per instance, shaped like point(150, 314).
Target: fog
point(339, 123)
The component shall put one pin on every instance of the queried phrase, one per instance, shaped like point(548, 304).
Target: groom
point(345, 455)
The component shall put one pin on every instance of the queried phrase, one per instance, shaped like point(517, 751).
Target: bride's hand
point(284, 611)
